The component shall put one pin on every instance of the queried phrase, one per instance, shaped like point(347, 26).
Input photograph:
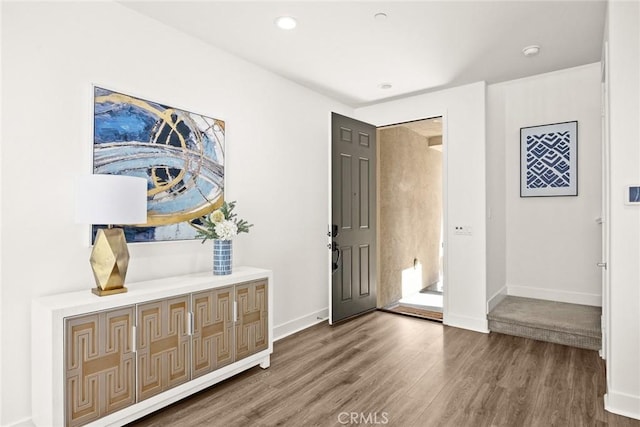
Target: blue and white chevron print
point(548, 157)
point(549, 160)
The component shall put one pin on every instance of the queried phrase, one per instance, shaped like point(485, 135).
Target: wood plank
point(412, 371)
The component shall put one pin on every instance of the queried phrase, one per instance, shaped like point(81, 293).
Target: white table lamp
point(109, 200)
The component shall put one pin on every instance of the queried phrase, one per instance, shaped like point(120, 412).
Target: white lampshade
point(111, 199)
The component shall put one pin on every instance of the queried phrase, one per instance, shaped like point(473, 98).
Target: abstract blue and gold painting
point(549, 160)
point(179, 153)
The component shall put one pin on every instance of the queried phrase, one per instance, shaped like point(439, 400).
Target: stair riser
point(573, 340)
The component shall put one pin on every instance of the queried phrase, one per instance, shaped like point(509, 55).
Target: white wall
point(463, 111)
point(552, 243)
point(623, 369)
point(277, 135)
point(496, 196)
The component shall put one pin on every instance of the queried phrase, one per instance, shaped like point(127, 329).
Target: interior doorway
point(410, 217)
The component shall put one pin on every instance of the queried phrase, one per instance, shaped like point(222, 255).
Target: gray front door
point(353, 197)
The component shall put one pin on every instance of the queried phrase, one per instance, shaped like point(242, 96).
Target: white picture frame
point(632, 194)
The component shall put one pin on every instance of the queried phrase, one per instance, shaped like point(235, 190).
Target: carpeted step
point(561, 323)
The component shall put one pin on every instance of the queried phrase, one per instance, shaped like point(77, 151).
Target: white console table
point(110, 360)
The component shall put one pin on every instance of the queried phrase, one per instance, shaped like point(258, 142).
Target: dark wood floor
point(395, 370)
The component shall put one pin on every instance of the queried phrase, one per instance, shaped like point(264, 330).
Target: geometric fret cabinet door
point(212, 330)
point(252, 334)
point(99, 365)
point(163, 345)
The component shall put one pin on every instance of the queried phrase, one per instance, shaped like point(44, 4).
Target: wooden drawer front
point(212, 330)
point(99, 365)
point(252, 325)
point(163, 345)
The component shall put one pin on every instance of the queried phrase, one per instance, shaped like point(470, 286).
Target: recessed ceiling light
point(286, 22)
point(380, 16)
point(532, 50)
point(385, 86)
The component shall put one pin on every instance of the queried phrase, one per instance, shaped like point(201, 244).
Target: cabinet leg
point(265, 363)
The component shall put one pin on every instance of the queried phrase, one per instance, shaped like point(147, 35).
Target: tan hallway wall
point(410, 209)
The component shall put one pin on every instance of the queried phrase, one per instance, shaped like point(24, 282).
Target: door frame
point(445, 205)
point(606, 206)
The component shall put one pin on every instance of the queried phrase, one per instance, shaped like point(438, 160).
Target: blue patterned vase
point(222, 257)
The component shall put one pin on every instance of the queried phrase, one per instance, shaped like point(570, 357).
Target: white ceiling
point(340, 50)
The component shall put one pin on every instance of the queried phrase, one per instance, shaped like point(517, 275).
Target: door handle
point(336, 264)
point(333, 232)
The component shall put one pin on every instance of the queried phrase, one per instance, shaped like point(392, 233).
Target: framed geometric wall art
point(179, 153)
point(549, 160)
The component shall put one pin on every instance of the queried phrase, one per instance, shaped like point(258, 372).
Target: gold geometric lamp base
point(109, 261)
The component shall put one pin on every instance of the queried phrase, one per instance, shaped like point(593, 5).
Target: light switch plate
point(464, 230)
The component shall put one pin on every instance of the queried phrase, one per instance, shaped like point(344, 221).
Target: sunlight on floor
point(427, 301)
point(412, 296)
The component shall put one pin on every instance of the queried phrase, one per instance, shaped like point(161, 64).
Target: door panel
point(365, 202)
point(347, 277)
point(365, 261)
point(99, 365)
point(353, 164)
point(212, 330)
point(164, 359)
point(346, 213)
point(252, 325)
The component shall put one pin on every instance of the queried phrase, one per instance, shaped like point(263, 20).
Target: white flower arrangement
point(221, 224)
point(226, 230)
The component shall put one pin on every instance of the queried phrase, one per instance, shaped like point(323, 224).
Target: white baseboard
point(296, 325)
point(496, 299)
point(622, 404)
point(466, 322)
point(25, 422)
point(555, 295)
